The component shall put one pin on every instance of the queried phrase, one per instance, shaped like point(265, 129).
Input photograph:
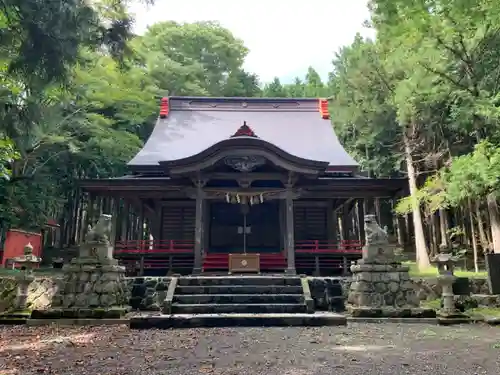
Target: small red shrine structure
point(15, 242)
point(239, 175)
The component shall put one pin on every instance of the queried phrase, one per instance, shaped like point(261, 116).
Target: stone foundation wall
point(41, 291)
point(325, 290)
point(148, 293)
point(329, 293)
point(428, 288)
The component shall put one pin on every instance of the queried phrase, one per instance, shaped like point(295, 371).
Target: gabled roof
point(194, 124)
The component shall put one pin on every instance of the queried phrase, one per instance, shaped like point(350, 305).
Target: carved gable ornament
point(245, 163)
point(244, 131)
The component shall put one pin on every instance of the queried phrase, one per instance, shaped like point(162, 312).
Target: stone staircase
point(237, 301)
point(241, 295)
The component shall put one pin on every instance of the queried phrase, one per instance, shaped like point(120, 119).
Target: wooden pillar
point(198, 232)
point(282, 226)
point(157, 228)
point(90, 213)
point(345, 223)
point(290, 235)
point(361, 219)
point(140, 224)
point(206, 224)
point(125, 221)
point(115, 205)
point(83, 219)
point(335, 223)
point(331, 222)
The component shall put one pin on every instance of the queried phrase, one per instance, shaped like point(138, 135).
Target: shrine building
point(239, 185)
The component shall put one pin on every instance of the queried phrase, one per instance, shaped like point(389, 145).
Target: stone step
point(179, 308)
point(239, 298)
point(238, 280)
point(239, 289)
point(236, 320)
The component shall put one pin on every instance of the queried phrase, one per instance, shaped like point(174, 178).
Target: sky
point(284, 37)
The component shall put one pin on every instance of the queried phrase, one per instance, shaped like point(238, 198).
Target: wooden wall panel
point(310, 221)
point(178, 220)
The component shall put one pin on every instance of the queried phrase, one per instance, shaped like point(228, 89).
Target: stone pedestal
point(94, 285)
point(381, 286)
point(24, 279)
point(91, 288)
point(449, 314)
point(383, 290)
point(23, 283)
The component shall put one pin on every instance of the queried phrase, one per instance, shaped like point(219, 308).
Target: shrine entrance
point(244, 228)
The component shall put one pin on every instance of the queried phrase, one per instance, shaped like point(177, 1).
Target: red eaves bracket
point(163, 107)
point(323, 108)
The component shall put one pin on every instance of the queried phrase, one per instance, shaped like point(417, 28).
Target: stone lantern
point(445, 263)
point(27, 262)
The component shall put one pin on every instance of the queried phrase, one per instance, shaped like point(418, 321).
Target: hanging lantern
point(228, 198)
point(261, 197)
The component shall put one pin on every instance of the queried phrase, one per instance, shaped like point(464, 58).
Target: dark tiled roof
point(195, 124)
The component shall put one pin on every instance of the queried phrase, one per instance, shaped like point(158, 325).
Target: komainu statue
point(377, 248)
point(374, 234)
point(101, 232)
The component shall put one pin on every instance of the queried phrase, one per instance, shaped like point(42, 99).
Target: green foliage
point(474, 175)
point(200, 58)
point(96, 122)
point(41, 39)
point(430, 197)
point(311, 87)
point(363, 114)
point(8, 155)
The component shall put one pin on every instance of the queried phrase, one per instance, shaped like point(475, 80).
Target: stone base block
point(493, 321)
point(236, 320)
point(81, 313)
point(449, 319)
point(388, 312)
point(15, 317)
point(6, 321)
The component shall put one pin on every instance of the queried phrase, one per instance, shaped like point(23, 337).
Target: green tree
point(200, 58)
point(274, 89)
point(41, 39)
point(314, 87)
point(453, 48)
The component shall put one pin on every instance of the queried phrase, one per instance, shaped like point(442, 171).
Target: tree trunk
point(483, 238)
point(423, 261)
point(494, 221)
point(443, 226)
point(473, 234)
point(434, 234)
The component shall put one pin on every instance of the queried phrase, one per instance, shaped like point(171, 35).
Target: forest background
point(79, 96)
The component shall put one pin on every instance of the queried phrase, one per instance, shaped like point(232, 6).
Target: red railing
point(155, 247)
point(326, 247)
point(146, 247)
point(314, 255)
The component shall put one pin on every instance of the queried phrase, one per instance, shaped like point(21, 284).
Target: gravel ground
point(356, 349)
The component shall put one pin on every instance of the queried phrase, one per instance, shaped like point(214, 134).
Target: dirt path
point(357, 349)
